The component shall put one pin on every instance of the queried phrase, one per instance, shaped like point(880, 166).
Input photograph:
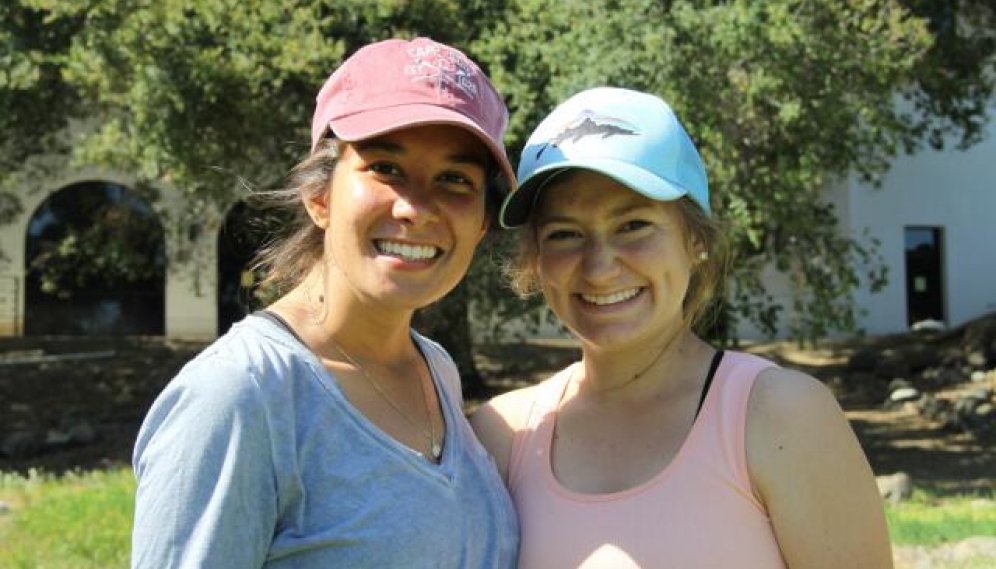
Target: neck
point(638, 369)
point(326, 317)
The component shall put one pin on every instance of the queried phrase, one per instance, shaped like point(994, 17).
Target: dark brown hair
point(287, 259)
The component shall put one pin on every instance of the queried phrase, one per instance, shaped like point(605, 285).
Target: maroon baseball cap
point(395, 84)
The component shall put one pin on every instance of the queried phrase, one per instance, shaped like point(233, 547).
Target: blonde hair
point(708, 273)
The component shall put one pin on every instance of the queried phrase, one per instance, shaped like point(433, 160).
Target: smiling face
point(613, 265)
point(404, 215)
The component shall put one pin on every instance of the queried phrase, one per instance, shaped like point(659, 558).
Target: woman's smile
point(612, 299)
point(407, 251)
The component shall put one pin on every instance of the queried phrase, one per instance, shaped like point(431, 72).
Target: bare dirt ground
point(92, 391)
point(77, 404)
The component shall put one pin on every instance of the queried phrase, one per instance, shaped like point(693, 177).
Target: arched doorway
point(95, 263)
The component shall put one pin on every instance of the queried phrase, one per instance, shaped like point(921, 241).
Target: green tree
point(35, 102)
point(954, 83)
point(783, 97)
point(201, 94)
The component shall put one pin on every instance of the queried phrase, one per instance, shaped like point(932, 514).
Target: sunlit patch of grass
point(75, 521)
point(930, 520)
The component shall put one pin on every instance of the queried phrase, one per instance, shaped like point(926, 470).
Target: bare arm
point(813, 476)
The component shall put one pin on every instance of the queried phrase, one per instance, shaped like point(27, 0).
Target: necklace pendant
point(437, 450)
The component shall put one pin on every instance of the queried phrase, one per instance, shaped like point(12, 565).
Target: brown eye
point(561, 234)
point(385, 169)
point(456, 178)
point(462, 181)
point(634, 225)
point(459, 182)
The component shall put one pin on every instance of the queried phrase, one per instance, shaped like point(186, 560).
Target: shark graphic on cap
point(588, 123)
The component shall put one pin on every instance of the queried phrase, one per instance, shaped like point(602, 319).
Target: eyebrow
point(623, 209)
point(390, 147)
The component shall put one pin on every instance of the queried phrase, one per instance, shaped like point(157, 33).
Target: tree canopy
point(782, 96)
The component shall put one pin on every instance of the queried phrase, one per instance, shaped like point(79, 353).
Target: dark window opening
point(924, 274)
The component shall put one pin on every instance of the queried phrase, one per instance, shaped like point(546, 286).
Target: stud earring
point(703, 256)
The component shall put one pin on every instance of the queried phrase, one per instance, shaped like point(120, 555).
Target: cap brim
point(375, 122)
point(515, 211)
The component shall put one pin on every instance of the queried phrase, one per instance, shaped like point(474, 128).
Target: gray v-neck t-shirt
point(252, 457)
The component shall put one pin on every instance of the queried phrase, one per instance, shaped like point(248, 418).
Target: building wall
point(954, 190)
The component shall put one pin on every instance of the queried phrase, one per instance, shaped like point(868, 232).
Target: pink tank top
point(700, 511)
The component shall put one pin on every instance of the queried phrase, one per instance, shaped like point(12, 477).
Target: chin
point(605, 337)
point(418, 297)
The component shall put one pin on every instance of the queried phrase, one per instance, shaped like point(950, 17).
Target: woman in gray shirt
point(323, 431)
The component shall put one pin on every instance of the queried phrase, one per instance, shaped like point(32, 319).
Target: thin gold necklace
point(635, 378)
point(435, 447)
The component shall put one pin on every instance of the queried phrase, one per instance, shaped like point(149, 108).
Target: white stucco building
point(945, 198)
point(935, 220)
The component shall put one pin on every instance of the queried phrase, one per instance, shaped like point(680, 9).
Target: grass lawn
point(928, 520)
point(78, 521)
point(83, 521)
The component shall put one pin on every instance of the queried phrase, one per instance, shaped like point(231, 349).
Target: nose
point(415, 203)
point(599, 262)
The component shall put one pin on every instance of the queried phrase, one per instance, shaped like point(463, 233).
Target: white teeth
point(603, 299)
point(409, 252)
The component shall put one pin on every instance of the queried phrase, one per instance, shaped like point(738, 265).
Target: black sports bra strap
point(708, 381)
point(279, 321)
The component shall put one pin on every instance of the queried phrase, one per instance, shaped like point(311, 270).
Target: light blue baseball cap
point(633, 137)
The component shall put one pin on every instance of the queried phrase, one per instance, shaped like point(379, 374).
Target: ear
point(485, 221)
point(480, 235)
point(484, 228)
point(697, 251)
point(317, 206)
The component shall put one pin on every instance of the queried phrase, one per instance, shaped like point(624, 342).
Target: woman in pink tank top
point(656, 449)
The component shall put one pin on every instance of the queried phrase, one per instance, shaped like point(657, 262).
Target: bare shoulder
point(810, 471)
point(504, 414)
point(791, 419)
point(782, 397)
point(497, 421)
